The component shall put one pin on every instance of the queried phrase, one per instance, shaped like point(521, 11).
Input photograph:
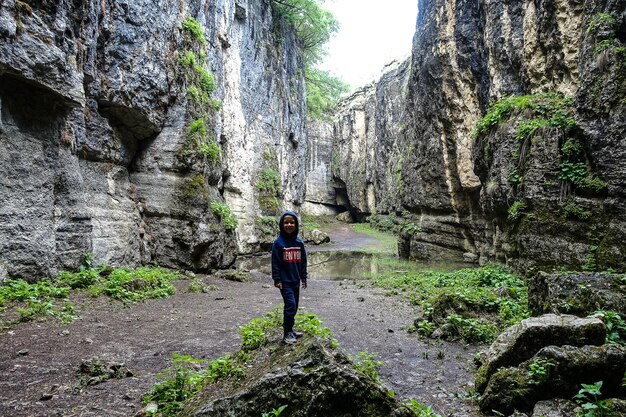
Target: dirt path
point(38, 360)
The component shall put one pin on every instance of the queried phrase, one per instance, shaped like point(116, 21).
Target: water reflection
point(351, 265)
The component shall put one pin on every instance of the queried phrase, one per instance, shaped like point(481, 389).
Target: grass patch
point(51, 297)
point(472, 304)
point(387, 242)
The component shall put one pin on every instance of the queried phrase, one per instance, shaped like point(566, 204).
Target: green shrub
point(188, 59)
point(539, 370)
point(131, 285)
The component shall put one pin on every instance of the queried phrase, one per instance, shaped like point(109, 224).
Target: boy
point(289, 270)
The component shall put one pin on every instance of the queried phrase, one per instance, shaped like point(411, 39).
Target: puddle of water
point(342, 265)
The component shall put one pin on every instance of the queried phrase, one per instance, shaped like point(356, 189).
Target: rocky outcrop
point(576, 293)
point(540, 182)
point(523, 340)
point(546, 358)
point(310, 379)
point(563, 370)
point(98, 151)
point(365, 161)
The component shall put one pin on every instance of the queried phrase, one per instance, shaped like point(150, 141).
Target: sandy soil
point(38, 361)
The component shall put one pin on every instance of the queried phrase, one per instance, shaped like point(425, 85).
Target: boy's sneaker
point(289, 338)
point(297, 335)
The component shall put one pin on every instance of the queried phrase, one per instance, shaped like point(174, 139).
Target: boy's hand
point(278, 285)
point(304, 284)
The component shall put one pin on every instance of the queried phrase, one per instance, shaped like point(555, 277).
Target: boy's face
point(289, 224)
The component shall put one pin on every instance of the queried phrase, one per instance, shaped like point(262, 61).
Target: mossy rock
point(234, 275)
point(312, 378)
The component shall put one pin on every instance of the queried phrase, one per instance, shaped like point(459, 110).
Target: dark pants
point(291, 297)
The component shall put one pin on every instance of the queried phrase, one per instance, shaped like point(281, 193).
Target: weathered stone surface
point(466, 55)
point(523, 340)
point(94, 119)
point(315, 236)
point(365, 161)
point(312, 379)
point(579, 293)
point(517, 388)
point(557, 407)
point(345, 217)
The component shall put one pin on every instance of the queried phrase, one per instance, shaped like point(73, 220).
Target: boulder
point(316, 237)
point(578, 293)
point(345, 217)
point(234, 275)
point(564, 369)
point(311, 378)
point(521, 341)
point(557, 407)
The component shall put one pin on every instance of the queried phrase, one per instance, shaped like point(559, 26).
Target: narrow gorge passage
point(39, 360)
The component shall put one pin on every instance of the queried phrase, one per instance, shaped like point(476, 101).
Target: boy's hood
point(281, 225)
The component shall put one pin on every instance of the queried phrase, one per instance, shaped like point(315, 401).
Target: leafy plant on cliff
point(367, 364)
point(185, 378)
point(200, 144)
point(573, 210)
point(193, 28)
point(222, 211)
point(269, 182)
point(599, 21)
point(517, 209)
point(589, 399)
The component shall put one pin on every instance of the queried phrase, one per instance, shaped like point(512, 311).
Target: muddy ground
point(38, 361)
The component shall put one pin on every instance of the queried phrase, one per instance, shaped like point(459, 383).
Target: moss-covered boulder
point(521, 341)
point(555, 372)
point(311, 378)
point(578, 293)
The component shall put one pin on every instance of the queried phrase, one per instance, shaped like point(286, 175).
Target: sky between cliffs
point(372, 34)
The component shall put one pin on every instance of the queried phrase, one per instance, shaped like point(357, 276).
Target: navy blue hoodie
point(289, 255)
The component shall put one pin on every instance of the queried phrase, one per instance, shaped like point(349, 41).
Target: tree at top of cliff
point(314, 26)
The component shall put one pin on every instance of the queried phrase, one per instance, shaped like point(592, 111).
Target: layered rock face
point(365, 161)
point(124, 131)
point(542, 182)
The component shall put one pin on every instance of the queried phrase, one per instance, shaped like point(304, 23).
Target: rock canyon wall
point(539, 181)
point(129, 128)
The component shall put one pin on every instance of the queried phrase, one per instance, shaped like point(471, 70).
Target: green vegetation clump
point(200, 143)
point(191, 26)
point(474, 303)
point(186, 377)
point(539, 370)
point(598, 21)
point(588, 398)
point(516, 210)
point(269, 182)
point(615, 326)
point(50, 297)
point(367, 364)
point(573, 210)
point(421, 410)
point(222, 211)
point(195, 189)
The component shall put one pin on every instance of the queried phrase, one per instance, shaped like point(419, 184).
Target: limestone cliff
point(127, 127)
point(541, 181)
